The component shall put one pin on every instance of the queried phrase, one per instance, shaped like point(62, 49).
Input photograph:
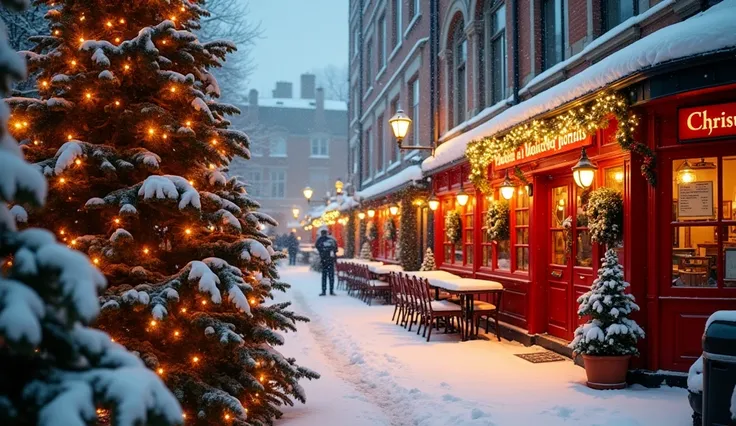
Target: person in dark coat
point(327, 248)
point(292, 245)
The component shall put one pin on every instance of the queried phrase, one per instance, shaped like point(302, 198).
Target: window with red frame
point(461, 253)
point(387, 248)
point(510, 255)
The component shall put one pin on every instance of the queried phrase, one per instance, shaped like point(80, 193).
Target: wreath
point(497, 221)
point(567, 232)
point(605, 216)
point(371, 233)
point(453, 227)
point(389, 230)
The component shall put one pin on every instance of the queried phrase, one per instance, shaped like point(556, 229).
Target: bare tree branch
point(334, 79)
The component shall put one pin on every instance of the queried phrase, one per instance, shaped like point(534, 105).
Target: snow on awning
point(706, 32)
point(409, 174)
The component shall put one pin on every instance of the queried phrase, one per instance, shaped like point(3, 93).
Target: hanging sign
point(707, 122)
point(544, 148)
point(695, 200)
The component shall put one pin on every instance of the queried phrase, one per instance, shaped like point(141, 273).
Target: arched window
point(495, 51)
point(458, 72)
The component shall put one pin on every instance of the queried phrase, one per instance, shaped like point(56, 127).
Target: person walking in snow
point(292, 245)
point(327, 248)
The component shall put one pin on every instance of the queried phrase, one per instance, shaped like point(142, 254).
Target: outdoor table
point(385, 269)
point(466, 288)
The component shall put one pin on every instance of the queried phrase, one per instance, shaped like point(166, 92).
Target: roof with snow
point(711, 31)
point(406, 176)
point(296, 119)
point(301, 104)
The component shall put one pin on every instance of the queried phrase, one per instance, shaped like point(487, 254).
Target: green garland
point(589, 118)
point(453, 226)
point(497, 221)
point(605, 213)
point(389, 230)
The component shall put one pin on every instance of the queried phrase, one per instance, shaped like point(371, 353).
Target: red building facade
point(679, 248)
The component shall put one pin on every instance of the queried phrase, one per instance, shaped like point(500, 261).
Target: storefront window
point(583, 243)
point(559, 228)
point(467, 213)
point(699, 250)
point(521, 227)
point(614, 178)
point(486, 243)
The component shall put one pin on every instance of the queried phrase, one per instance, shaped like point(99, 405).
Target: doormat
point(540, 357)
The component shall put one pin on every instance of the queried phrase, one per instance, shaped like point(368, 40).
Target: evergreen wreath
point(497, 221)
point(389, 230)
point(605, 213)
point(371, 233)
point(453, 226)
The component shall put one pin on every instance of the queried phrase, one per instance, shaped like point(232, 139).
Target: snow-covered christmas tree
point(129, 132)
point(609, 331)
point(55, 369)
point(428, 263)
point(365, 251)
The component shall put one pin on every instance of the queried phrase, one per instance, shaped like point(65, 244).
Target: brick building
point(495, 71)
point(295, 142)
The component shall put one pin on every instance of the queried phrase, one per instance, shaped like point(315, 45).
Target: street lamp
point(400, 124)
point(361, 215)
point(308, 193)
point(295, 212)
point(338, 187)
point(371, 212)
point(507, 187)
point(584, 171)
point(393, 209)
point(433, 203)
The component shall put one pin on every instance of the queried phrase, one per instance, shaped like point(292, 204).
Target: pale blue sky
point(298, 36)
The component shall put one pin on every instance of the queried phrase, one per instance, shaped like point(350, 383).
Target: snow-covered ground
point(376, 373)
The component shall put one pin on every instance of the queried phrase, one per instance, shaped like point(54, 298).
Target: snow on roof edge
point(709, 31)
point(408, 174)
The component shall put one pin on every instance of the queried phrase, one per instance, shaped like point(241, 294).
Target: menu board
point(695, 200)
point(730, 263)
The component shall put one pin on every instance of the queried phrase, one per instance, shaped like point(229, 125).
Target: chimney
point(319, 116)
point(308, 85)
point(253, 105)
point(283, 90)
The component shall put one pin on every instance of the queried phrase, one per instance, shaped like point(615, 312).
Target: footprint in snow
point(356, 358)
point(476, 414)
point(450, 398)
point(445, 385)
point(561, 412)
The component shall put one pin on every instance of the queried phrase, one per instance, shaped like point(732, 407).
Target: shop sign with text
point(706, 122)
point(544, 148)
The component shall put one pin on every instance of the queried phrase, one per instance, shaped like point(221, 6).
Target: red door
point(569, 271)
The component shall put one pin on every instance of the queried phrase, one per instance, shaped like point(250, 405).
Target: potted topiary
point(608, 339)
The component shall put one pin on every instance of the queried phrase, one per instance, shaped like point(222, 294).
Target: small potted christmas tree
point(608, 339)
point(428, 264)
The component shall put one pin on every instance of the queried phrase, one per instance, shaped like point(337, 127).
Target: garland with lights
point(135, 144)
point(497, 221)
point(453, 227)
point(371, 231)
point(588, 118)
point(350, 236)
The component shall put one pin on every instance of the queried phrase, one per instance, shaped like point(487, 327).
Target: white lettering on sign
point(538, 149)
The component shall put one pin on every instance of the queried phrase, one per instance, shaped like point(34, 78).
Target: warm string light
point(188, 231)
point(160, 371)
point(69, 137)
point(195, 359)
point(145, 250)
point(96, 260)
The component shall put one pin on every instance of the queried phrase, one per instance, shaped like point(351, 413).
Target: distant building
point(295, 142)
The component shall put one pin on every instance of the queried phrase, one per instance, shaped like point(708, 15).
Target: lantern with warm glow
point(371, 212)
point(295, 212)
point(393, 209)
point(584, 171)
point(308, 193)
point(685, 173)
point(433, 203)
point(400, 124)
point(507, 188)
point(361, 215)
point(462, 197)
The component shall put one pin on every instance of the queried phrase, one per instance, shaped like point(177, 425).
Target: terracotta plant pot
point(606, 372)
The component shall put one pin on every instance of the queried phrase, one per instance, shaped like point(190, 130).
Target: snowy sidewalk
point(376, 373)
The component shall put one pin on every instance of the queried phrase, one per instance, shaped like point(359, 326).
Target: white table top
point(433, 275)
point(465, 284)
point(359, 261)
point(385, 269)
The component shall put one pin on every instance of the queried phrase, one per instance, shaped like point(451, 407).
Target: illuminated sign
point(544, 148)
point(707, 122)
